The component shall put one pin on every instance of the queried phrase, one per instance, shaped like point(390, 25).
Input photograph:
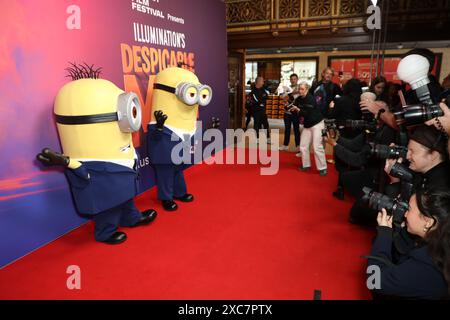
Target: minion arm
point(51, 158)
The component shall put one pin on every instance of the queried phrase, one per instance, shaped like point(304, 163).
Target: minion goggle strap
point(189, 93)
point(129, 115)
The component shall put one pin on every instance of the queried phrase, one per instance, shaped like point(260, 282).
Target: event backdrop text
point(131, 40)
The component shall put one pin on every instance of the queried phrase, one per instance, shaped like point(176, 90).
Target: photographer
point(428, 159)
point(313, 124)
point(359, 167)
point(424, 271)
point(386, 116)
point(347, 107)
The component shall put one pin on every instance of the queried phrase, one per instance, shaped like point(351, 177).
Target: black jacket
point(346, 108)
point(437, 177)
point(258, 99)
point(331, 91)
point(308, 110)
point(415, 276)
point(356, 152)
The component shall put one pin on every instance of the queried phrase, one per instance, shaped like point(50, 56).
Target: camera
point(331, 127)
point(417, 114)
point(406, 175)
point(360, 124)
point(382, 151)
point(402, 172)
point(394, 207)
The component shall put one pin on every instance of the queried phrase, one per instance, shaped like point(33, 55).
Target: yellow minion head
point(95, 120)
point(178, 93)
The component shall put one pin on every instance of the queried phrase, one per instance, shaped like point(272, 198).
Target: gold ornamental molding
point(245, 16)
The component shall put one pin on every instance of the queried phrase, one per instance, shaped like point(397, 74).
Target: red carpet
point(246, 236)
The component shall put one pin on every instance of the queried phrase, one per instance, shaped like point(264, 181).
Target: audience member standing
point(325, 91)
point(258, 97)
point(289, 118)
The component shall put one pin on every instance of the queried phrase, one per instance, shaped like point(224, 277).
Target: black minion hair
point(183, 64)
point(82, 71)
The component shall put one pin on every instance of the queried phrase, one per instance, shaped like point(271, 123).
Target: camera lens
point(417, 114)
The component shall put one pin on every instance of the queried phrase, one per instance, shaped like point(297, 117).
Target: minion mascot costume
point(176, 98)
point(95, 120)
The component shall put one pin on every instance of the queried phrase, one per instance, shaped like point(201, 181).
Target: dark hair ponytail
point(436, 204)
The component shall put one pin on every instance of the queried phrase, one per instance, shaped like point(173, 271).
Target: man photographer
point(428, 159)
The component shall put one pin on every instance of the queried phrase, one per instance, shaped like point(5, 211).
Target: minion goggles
point(129, 115)
point(189, 93)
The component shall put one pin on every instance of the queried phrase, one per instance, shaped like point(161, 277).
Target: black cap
point(430, 137)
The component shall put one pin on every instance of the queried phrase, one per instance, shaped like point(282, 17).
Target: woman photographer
point(313, 124)
point(423, 272)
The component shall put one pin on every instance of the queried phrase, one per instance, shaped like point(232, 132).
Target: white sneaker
point(283, 148)
point(298, 155)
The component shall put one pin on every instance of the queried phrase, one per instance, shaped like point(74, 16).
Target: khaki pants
point(314, 135)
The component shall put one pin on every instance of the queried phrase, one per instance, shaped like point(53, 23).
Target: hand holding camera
point(373, 106)
point(395, 208)
point(330, 138)
point(442, 123)
point(387, 168)
point(383, 219)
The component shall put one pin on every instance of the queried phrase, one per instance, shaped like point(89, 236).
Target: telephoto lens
point(382, 151)
point(360, 124)
point(417, 114)
point(402, 172)
point(393, 207)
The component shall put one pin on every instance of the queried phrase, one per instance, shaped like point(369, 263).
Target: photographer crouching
point(424, 271)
